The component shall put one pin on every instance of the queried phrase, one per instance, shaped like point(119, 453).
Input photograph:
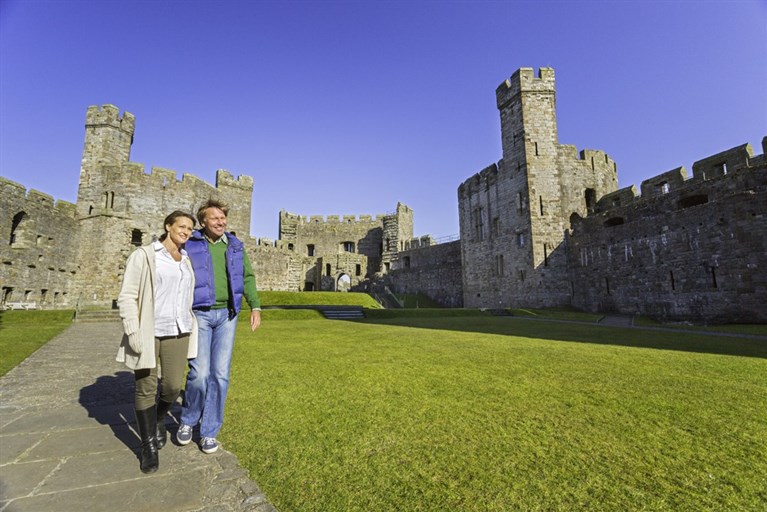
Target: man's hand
point(255, 319)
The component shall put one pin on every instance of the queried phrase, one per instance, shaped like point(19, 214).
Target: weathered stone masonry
point(74, 255)
point(547, 227)
point(544, 226)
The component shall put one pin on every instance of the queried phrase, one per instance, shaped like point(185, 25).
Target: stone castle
point(545, 226)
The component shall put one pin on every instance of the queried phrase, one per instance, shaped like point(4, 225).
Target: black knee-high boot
point(146, 421)
point(162, 432)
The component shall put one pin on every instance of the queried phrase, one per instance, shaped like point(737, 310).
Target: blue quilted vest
point(205, 286)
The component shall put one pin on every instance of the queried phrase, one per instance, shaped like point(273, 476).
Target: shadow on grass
point(588, 333)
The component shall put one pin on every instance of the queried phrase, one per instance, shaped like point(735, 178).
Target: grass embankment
point(488, 414)
point(317, 299)
point(23, 332)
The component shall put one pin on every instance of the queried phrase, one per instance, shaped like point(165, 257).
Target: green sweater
point(218, 255)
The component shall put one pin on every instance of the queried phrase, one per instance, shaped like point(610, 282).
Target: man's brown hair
point(211, 203)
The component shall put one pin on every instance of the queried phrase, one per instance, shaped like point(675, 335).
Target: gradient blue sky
point(346, 108)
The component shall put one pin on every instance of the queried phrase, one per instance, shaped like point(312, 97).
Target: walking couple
point(179, 301)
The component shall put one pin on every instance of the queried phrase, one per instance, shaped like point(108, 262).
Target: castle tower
point(108, 140)
point(514, 215)
point(527, 106)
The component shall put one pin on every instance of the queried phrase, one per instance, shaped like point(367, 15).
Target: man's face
point(214, 223)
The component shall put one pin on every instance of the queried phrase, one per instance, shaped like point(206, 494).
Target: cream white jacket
point(136, 303)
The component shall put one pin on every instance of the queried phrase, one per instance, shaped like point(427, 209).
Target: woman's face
point(179, 231)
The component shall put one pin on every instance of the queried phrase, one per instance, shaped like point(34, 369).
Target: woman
point(155, 304)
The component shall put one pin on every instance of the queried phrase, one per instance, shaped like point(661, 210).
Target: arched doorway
point(344, 283)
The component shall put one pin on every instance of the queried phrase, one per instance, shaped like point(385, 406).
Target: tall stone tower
point(513, 215)
point(108, 141)
point(104, 238)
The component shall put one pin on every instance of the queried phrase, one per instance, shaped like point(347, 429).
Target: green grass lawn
point(317, 299)
point(23, 332)
point(490, 413)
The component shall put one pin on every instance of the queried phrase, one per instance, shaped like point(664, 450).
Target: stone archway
point(343, 283)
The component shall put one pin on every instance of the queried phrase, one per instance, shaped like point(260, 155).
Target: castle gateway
point(544, 226)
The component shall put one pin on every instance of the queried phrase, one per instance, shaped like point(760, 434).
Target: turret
point(108, 140)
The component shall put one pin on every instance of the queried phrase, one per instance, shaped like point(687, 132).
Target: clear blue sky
point(345, 108)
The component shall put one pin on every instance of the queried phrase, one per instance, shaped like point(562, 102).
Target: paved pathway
point(68, 440)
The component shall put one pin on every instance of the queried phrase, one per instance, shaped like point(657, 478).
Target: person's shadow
point(110, 401)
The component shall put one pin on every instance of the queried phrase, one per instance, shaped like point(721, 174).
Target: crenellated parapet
point(480, 181)
point(720, 164)
point(664, 183)
point(109, 115)
point(23, 199)
point(225, 178)
point(332, 219)
point(524, 80)
point(708, 172)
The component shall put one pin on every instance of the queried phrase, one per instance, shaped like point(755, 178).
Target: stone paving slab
point(68, 440)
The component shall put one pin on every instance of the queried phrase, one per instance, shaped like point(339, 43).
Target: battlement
point(732, 161)
point(109, 115)
point(474, 183)
point(334, 219)
point(225, 178)
point(524, 80)
point(39, 199)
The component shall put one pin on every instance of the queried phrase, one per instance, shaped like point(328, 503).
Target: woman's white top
point(172, 292)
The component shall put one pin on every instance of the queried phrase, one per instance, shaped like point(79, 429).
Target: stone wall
point(340, 248)
point(685, 249)
point(38, 247)
point(433, 270)
point(546, 225)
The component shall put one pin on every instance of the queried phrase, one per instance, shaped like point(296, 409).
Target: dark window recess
point(327, 269)
point(607, 285)
point(358, 270)
point(590, 196)
point(136, 237)
point(687, 202)
point(713, 277)
point(671, 275)
point(614, 221)
point(310, 250)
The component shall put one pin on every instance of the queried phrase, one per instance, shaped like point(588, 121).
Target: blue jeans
point(208, 379)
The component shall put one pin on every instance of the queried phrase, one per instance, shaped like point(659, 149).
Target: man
point(223, 276)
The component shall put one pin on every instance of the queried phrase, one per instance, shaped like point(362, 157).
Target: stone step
point(98, 315)
point(343, 314)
